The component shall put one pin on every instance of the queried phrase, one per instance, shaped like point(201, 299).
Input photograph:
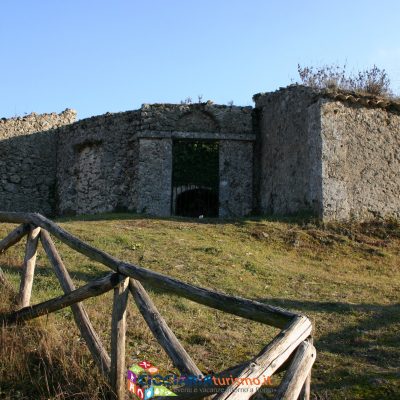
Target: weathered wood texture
point(93, 288)
point(269, 359)
point(207, 388)
point(16, 217)
point(92, 340)
point(293, 381)
point(28, 269)
point(235, 305)
point(248, 309)
point(305, 393)
point(118, 333)
point(201, 389)
point(161, 330)
point(14, 237)
point(277, 355)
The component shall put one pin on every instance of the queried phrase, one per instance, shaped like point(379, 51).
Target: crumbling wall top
point(390, 104)
point(19, 126)
point(198, 117)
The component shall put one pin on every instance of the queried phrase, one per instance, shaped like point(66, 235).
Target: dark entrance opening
point(197, 202)
point(195, 178)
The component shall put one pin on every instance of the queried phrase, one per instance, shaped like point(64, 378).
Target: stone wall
point(155, 177)
point(200, 117)
point(123, 161)
point(32, 123)
point(335, 154)
point(360, 161)
point(288, 163)
point(97, 164)
point(231, 126)
point(28, 151)
point(236, 178)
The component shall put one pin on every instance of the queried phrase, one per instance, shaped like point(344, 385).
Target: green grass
point(346, 278)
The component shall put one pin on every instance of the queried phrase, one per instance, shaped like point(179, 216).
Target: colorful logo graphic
point(144, 382)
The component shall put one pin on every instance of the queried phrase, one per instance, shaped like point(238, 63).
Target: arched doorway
point(197, 202)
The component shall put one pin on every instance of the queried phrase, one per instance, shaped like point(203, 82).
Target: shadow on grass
point(46, 271)
point(372, 343)
point(380, 228)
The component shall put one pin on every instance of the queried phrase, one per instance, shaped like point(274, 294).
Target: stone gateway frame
point(230, 170)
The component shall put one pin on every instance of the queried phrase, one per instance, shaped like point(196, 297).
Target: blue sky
point(97, 56)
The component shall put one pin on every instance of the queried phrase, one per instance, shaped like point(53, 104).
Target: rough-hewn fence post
point(292, 350)
point(82, 320)
point(14, 237)
point(118, 333)
point(161, 331)
point(29, 267)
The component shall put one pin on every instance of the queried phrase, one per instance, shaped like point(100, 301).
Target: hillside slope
point(346, 278)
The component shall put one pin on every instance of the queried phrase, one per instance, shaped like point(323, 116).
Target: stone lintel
point(195, 135)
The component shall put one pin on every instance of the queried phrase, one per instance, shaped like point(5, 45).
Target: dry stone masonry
point(333, 154)
point(28, 152)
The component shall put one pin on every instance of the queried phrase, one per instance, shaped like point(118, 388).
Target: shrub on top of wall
point(373, 81)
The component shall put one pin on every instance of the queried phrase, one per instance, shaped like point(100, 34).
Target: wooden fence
point(292, 350)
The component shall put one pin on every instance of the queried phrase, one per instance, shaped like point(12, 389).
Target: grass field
point(346, 278)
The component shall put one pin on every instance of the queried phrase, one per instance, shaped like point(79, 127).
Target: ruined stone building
point(333, 154)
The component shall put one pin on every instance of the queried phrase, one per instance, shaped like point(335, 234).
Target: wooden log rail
point(292, 350)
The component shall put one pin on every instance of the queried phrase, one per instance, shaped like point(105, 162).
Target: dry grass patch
point(345, 277)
